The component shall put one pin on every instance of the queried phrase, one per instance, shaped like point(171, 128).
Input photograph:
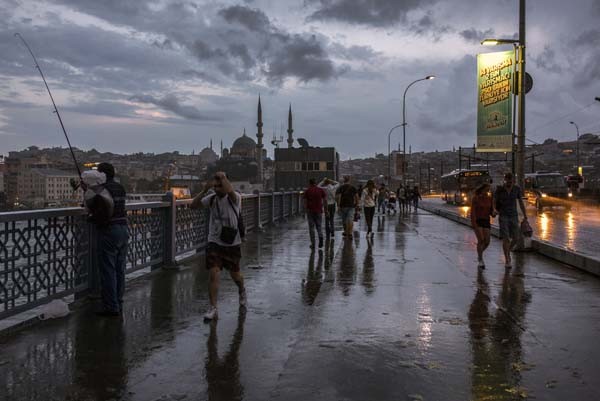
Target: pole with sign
point(495, 73)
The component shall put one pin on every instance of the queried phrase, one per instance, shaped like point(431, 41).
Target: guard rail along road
point(51, 253)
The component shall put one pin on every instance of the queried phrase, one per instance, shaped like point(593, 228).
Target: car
point(547, 189)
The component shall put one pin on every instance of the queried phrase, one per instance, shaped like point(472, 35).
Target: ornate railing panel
point(249, 206)
point(146, 237)
point(278, 207)
point(286, 204)
point(266, 209)
point(42, 255)
point(191, 230)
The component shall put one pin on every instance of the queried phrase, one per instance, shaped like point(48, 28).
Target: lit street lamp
point(520, 46)
point(576, 127)
point(390, 154)
point(428, 77)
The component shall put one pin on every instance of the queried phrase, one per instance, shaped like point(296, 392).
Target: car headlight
point(544, 195)
point(570, 194)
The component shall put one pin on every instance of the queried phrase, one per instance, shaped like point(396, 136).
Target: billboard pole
point(520, 162)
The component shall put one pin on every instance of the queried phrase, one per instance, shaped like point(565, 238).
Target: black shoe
point(107, 313)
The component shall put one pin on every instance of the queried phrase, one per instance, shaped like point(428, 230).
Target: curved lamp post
point(390, 154)
point(577, 128)
point(404, 165)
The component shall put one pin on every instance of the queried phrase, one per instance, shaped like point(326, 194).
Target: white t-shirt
point(222, 214)
point(330, 190)
point(368, 200)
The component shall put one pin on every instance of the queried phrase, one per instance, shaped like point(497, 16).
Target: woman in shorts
point(482, 207)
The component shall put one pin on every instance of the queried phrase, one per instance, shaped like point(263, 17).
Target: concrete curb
point(559, 253)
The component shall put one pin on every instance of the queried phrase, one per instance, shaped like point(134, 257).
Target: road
point(577, 229)
point(406, 316)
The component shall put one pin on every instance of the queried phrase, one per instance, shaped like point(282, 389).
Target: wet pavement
point(406, 316)
point(576, 229)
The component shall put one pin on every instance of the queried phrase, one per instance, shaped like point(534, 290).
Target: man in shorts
point(347, 197)
point(506, 198)
point(224, 240)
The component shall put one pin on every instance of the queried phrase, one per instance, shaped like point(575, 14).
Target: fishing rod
point(18, 35)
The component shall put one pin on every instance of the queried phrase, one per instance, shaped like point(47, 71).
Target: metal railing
point(52, 253)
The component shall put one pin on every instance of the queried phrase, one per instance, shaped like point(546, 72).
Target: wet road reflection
point(576, 229)
point(223, 374)
point(314, 278)
point(496, 338)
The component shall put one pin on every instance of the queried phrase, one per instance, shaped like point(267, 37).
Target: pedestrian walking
point(106, 205)
point(348, 200)
point(402, 198)
point(315, 204)
point(381, 199)
point(482, 207)
point(330, 186)
point(224, 237)
point(506, 198)
point(368, 198)
point(416, 197)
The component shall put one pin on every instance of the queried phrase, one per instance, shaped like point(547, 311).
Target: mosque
point(246, 162)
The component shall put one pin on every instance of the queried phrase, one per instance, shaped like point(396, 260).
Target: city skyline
point(152, 77)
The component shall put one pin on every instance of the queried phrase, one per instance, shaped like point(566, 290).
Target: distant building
point(1, 182)
point(44, 187)
point(295, 166)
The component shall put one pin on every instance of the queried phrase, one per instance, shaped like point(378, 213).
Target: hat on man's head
point(107, 169)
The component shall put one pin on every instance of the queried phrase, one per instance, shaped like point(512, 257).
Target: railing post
point(257, 213)
point(272, 207)
point(170, 229)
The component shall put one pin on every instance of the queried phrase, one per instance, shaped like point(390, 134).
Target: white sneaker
point(243, 298)
point(211, 314)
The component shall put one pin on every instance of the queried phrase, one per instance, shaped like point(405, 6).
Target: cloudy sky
point(163, 75)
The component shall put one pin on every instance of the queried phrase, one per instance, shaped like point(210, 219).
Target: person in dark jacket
point(112, 246)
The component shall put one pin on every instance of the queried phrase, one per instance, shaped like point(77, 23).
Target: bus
point(459, 185)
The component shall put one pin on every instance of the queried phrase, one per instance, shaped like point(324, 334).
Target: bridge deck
point(406, 317)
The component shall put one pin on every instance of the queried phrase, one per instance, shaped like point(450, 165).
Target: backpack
point(99, 203)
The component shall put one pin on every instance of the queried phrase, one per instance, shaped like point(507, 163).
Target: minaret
point(290, 130)
point(221, 148)
point(259, 144)
point(210, 143)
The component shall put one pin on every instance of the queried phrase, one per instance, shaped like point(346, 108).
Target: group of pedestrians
point(404, 198)
point(503, 203)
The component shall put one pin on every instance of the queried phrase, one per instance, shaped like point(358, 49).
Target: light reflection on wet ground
point(576, 229)
point(404, 316)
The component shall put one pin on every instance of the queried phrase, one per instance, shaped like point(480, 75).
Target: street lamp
point(576, 127)
point(520, 46)
point(404, 166)
point(390, 154)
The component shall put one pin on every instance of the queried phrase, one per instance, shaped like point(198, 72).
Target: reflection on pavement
point(496, 338)
point(223, 374)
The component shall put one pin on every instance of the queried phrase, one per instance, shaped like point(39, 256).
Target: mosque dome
point(207, 155)
point(244, 145)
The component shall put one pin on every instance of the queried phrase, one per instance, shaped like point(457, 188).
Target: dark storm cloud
point(302, 58)
point(476, 36)
point(172, 104)
point(586, 49)
point(376, 13)
point(252, 19)
point(547, 60)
